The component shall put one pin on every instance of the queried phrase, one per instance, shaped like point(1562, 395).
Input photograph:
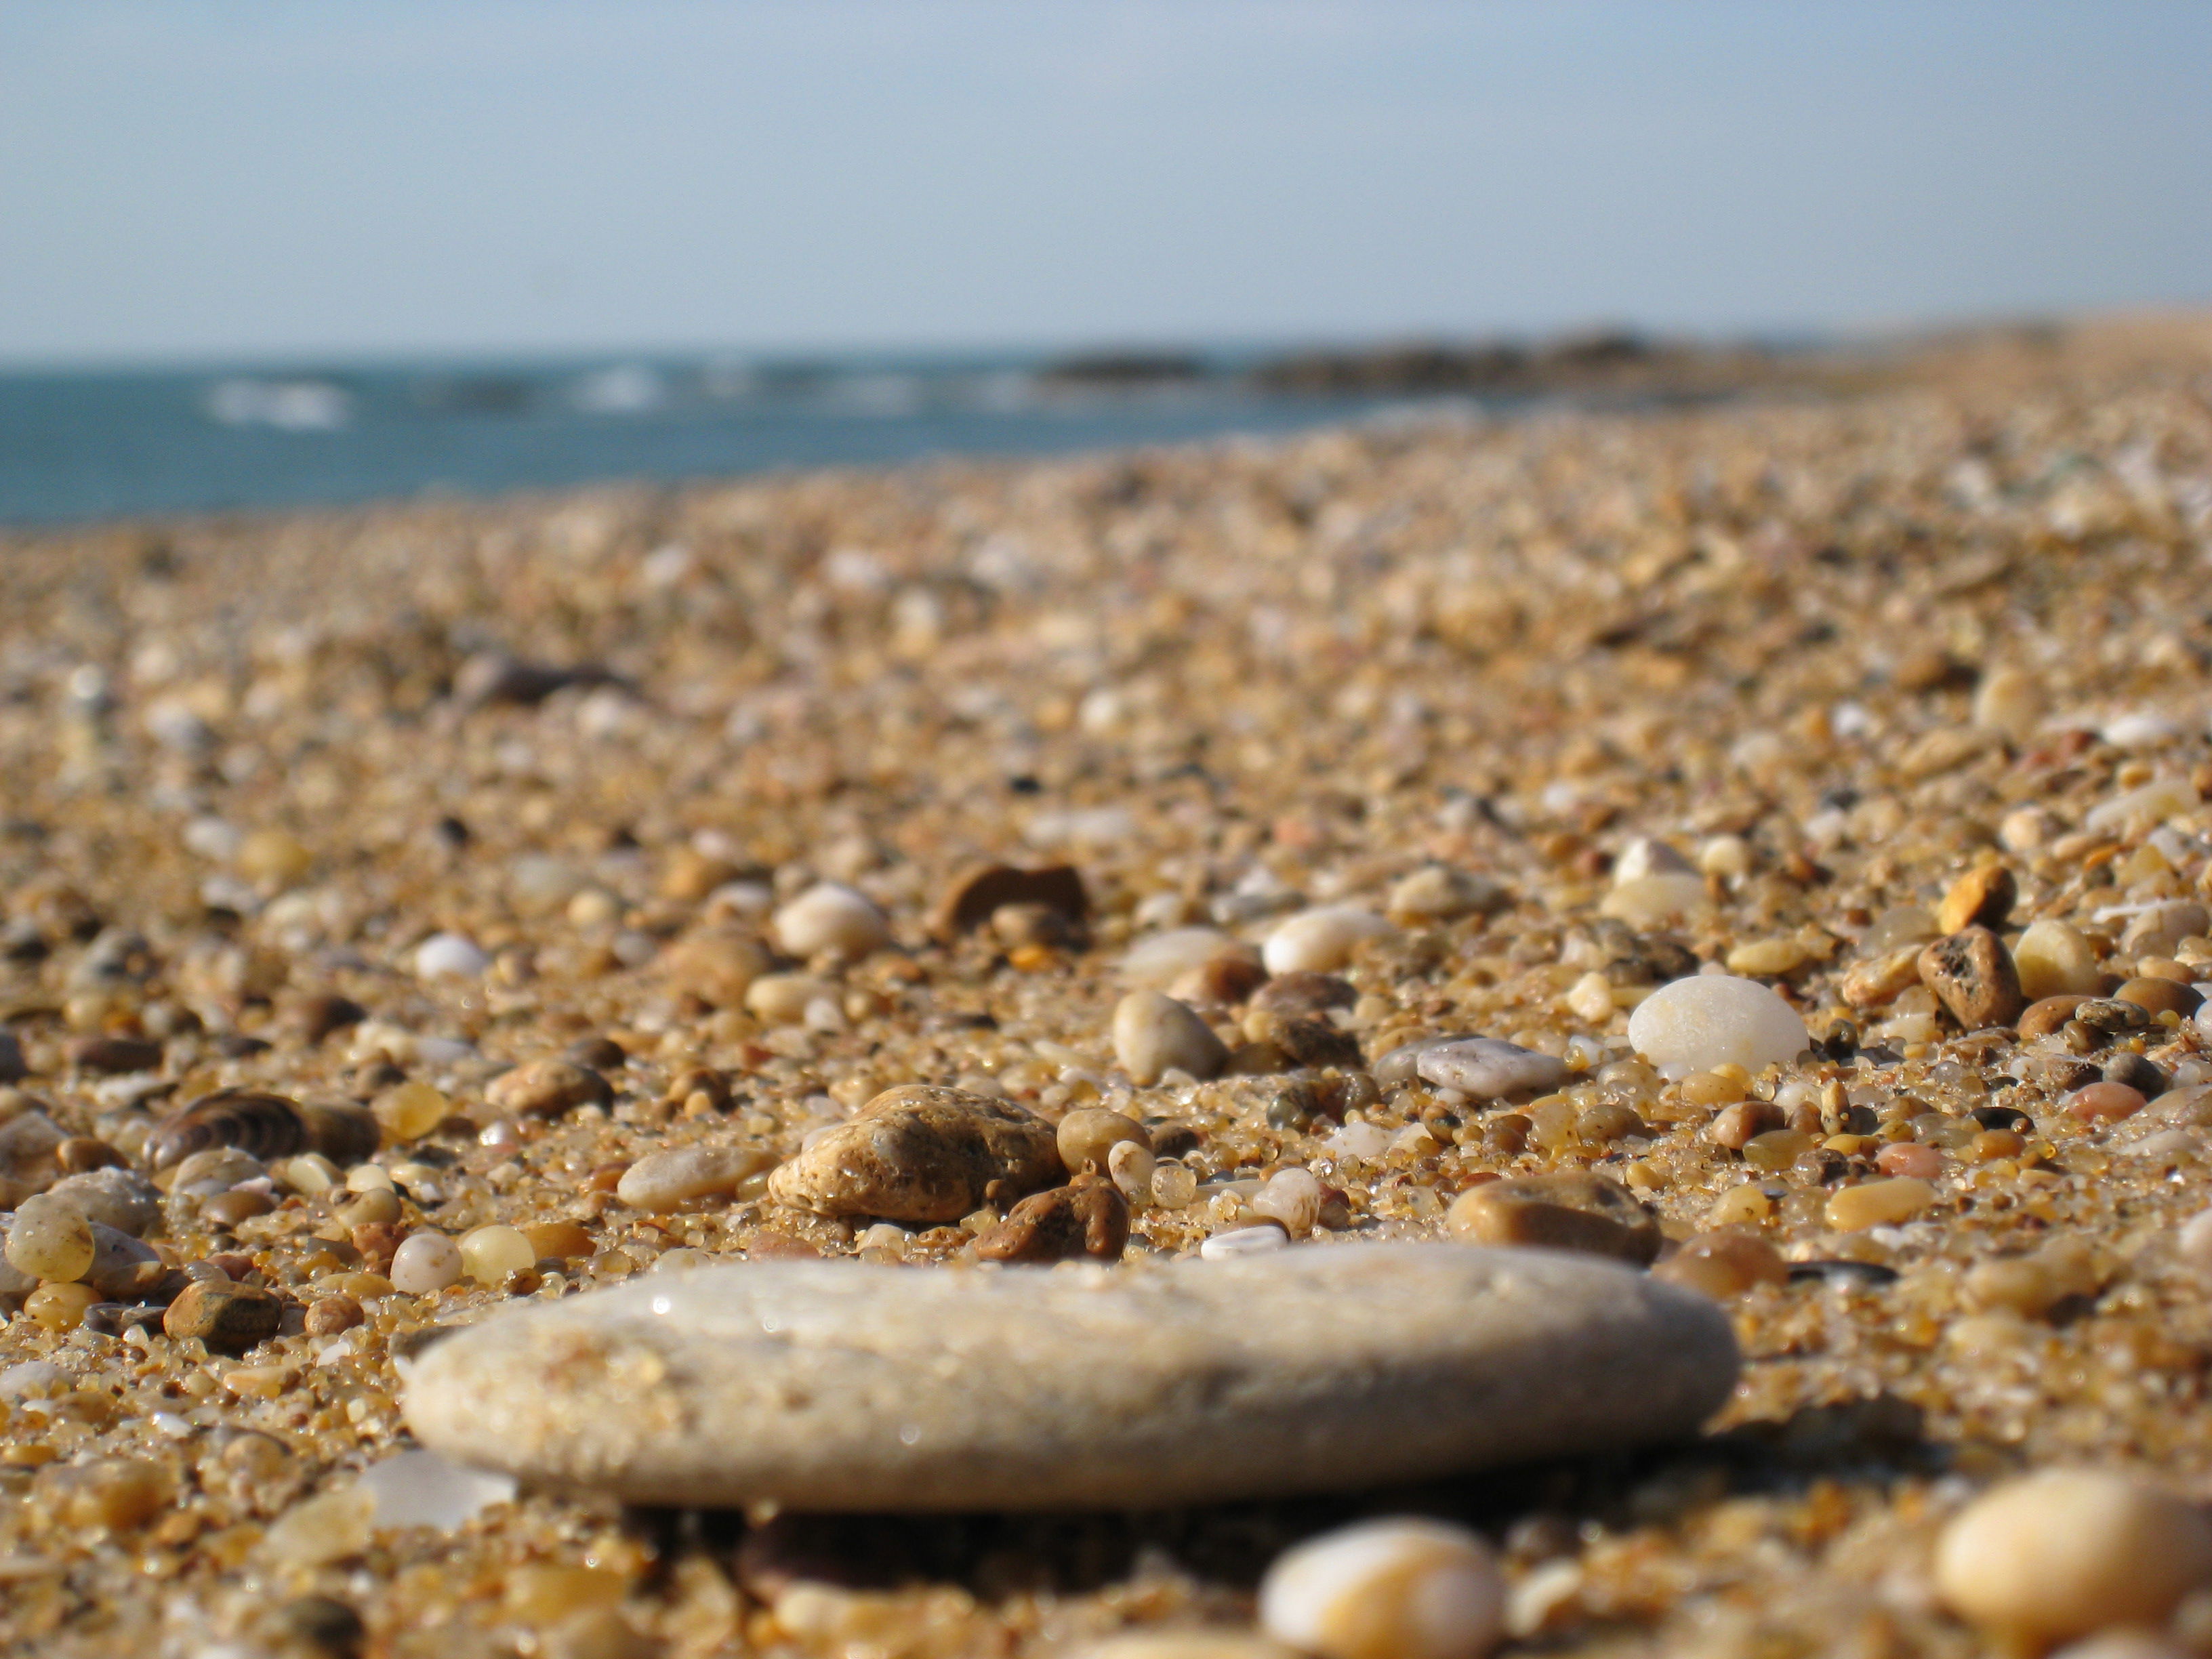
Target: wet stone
point(1089, 1217)
point(228, 1318)
point(764, 1382)
point(922, 1154)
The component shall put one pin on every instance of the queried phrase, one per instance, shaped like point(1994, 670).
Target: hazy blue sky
point(193, 179)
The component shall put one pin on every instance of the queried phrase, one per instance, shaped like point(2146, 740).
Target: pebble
point(1488, 1068)
point(1717, 1020)
point(12, 1069)
point(2161, 996)
point(1292, 1197)
point(1089, 1217)
point(1655, 901)
point(1304, 994)
point(1981, 898)
point(1647, 856)
point(1575, 1212)
point(114, 1055)
point(2104, 1102)
point(922, 1154)
point(1158, 961)
point(2064, 1553)
point(1395, 1588)
point(1439, 893)
point(547, 1088)
point(1724, 1264)
point(450, 956)
point(718, 966)
point(830, 920)
point(1877, 1204)
point(660, 1182)
point(332, 1315)
point(50, 1239)
point(970, 902)
point(1154, 1034)
point(1135, 1170)
point(1321, 941)
point(228, 1318)
point(1232, 1242)
point(121, 1199)
point(2047, 1015)
point(425, 1261)
point(409, 1111)
point(843, 1386)
point(2051, 958)
point(1087, 1136)
point(491, 1254)
point(1972, 973)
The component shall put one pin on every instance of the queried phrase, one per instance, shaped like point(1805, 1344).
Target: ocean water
point(100, 445)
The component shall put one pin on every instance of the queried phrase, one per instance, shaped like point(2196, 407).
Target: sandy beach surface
point(365, 810)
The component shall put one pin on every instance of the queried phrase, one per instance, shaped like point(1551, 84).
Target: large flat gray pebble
point(841, 1385)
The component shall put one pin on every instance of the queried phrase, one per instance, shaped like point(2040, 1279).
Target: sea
point(112, 443)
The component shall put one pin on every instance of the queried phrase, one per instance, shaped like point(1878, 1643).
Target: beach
point(382, 807)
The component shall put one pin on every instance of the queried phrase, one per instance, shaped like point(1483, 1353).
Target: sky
point(191, 180)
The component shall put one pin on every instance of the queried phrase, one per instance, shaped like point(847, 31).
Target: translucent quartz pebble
point(1319, 941)
point(1487, 1067)
point(1645, 857)
point(1389, 1589)
point(422, 1489)
point(1715, 1020)
point(490, 1253)
point(449, 956)
point(767, 1381)
point(829, 919)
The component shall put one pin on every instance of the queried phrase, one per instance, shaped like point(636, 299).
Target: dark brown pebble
point(12, 1066)
point(317, 1017)
point(1304, 993)
point(114, 1055)
point(228, 1318)
point(1174, 1139)
point(81, 1152)
point(601, 1053)
point(2136, 1073)
point(322, 1626)
point(1304, 1043)
point(976, 895)
point(1736, 1126)
point(236, 1045)
point(1087, 1216)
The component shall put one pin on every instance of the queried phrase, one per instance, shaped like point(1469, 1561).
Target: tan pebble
point(228, 1209)
point(1577, 1211)
point(2010, 701)
point(1320, 940)
point(1724, 1264)
point(1907, 1158)
point(660, 1181)
point(271, 858)
point(2046, 1015)
point(369, 1208)
point(329, 1315)
point(1878, 1204)
point(59, 1307)
point(1389, 1589)
point(1972, 973)
point(1740, 1206)
point(2063, 1552)
point(1769, 958)
point(921, 1153)
point(491, 1254)
point(1087, 1136)
point(51, 1239)
point(1089, 1217)
point(2052, 959)
point(1439, 893)
point(2160, 995)
point(1981, 898)
point(228, 1318)
point(559, 1241)
point(547, 1088)
point(717, 966)
point(1154, 1034)
point(114, 1494)
point(408, 1111)
point(80, 1153)
point(1881, 979)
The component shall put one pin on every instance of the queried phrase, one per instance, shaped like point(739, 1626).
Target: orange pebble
point(2104, 1102)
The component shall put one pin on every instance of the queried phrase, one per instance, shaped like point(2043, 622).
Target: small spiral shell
point(267, 1126)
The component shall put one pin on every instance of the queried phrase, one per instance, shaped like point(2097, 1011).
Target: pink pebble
point(2104, 1102)
point(1909, 1157)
